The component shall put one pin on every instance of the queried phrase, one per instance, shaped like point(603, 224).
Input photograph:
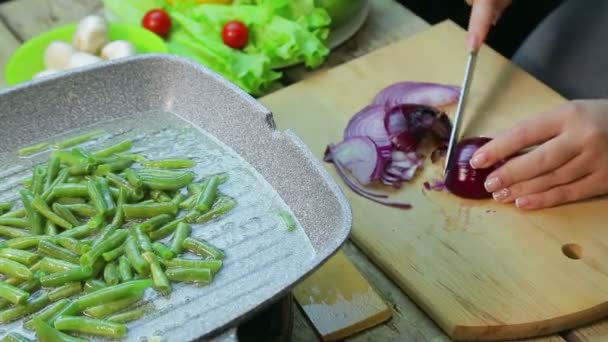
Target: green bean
point(38, 179)
point(114, 292)
point(114, 254)
point(78, 139)
point(13, 294)
point(52, 265)
point(166, 180)
point(14, 269)
point(104, 234)
point(113, 241)
point(106, 194)
point(110, 273)
point(20, 256)
point(52, 171)
point(189, 202)
point(73, 245)
point(15, 337)
point(43, 209)
point(27, 242)
point(31, 285)
point(119, 215)
point(98, 267)
point(190, 275)
point(135, 258)
point(115, 166)
point(165, 230)
point(207, 196)
point(14, 222)
point(49, 249)
point(133, 178)
point(49, 314)
point(131, 315)
point(106, 309)
point(160, 196)
point(122, 146)
point(36, 266)
point(133, 192)
point(212, 264)
point(69, 190)
point(26, 151)
point(203, 248)
point(81, 169)
point(50, 228)
point(91, 326)
point(133, 211)
point(96, 221)
point(97, 197)
point(79, 232)
point(36, 220)
point(181, 233)
point(19, 213)
point(222, 205)
point(155, 222)
point(178, 199)
point(46, 333)
point(14, 281)
point(62, 278)
point(70, 200)
point(170, 163)
point(163, 251)
point(143, 241)
point(11, 233)
point(62, 176)
point(22, 310)
point(5, 206)
point(124, 269)
point(83, 210)
point(161, 283)
point(68, 157)
point(66, 214)
point(92, 285)
point(66, 291)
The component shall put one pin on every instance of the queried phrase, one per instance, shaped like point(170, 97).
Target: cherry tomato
point(235, 34)
point(157, 21)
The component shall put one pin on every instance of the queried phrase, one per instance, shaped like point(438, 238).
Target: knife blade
point(466, 84)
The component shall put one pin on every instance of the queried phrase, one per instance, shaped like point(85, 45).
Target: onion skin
point(463, 180)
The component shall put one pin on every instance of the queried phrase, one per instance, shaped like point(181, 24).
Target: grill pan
point(261, 265)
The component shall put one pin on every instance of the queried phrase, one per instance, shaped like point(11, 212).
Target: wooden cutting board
point(339, 301)
point(481, 270)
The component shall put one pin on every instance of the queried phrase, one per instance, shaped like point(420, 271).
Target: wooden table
point(388, 22)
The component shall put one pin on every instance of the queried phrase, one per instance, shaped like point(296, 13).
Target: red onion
point(462, 179)
point(369, 122)
point(423, 93)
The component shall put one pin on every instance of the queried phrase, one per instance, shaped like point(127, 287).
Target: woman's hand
point(484, 14)
point(569, 164)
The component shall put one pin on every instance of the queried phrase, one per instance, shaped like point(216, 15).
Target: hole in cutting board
point(572, 250)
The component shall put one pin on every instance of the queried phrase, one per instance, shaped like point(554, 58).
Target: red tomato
point(157, 21)
point(235, 34)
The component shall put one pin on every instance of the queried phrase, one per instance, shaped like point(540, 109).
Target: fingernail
point(478, 160)
point(472, 42)
point(501, 195)
point(493, 184)
point(522, 202)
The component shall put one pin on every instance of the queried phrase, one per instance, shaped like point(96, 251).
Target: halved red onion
point(462, 179)
point(369, 122)
point(408, 123)
point(424, 93)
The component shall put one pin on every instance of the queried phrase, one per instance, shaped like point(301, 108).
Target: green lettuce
point(131, 11)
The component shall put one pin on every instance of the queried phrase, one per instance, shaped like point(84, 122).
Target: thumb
point(484, 14)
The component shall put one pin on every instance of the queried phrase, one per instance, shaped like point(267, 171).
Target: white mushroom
point(117, 49)
point(91, 34)
point(57, 55)
point(80, 59)
point(45, 73)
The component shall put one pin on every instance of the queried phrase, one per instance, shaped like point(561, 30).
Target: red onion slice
point(369, 122)
point(358, 155)
point(424, 93)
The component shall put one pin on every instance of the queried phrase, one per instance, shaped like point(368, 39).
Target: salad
point(243, 40)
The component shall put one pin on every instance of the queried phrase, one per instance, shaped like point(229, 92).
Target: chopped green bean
point(70, 200)
point(49, 249)
point(66, 291)
point(49, 314)
point(190, 275)
point(138, 263)
point(79, 232)
point(143, 241)
point(97, 197)
point(81, 169)
point(38, 179)
point(52, 171)
point(122, 146)
point(83, 210)
point(114, 292)
point(19, 213)
point(155, 222)
point(161, 283)
point(50, 228)
point(189, 202)
point(165, 180)
point(106, 309)
point(62, 278)
point(65, 214)
point(131, 315)
point(51, 265)
point(212, 264)
point(14, 222)
point(43, 209)
point(13, 294)
point(178, 199)
point(170, 163)
point(113, 241)
point(203, 248)
point(117, 165)
point(124, 269)
point(92, 285)
point(5, 207)
point(110, 273)
point(165, 230)
point(11, 233)
point(27, 242)
point(104, 234)
point(207, 196)
point(98, 267)
point(222, 205)
point(69, 190)
point(133, 178)
point(14, 269)
point(134, 193)
point(73, 245)
point(15, 337)
point(26, 151)
point(91, 326)
point(36, 220)
point(78, 139)
point(68, 157)
point(133, 211)
point(19, 311)
point(46, 333)
point(181, 233)
point(114, 253)
point(20, 256)
point(104, 187)
point(163, 251)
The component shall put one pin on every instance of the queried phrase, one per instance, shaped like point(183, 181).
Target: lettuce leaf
point(131, 11)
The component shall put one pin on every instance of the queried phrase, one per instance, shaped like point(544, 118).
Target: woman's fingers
point(484, 14)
